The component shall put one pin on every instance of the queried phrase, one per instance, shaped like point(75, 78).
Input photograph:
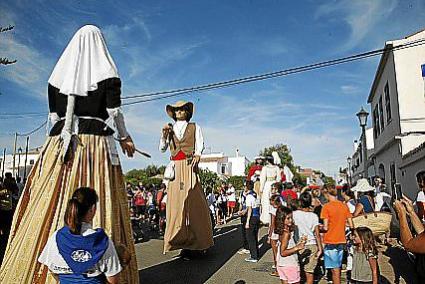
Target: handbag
point(170, 171)
point(378, 222)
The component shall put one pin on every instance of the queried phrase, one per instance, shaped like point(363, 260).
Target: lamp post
point(362, 116)
point(19, 160)
point(349, 171)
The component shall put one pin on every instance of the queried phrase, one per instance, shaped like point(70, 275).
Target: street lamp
point(19, 160)
point(362, 116)
point(349, 171)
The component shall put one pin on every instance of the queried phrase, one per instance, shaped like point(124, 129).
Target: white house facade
point(223, 165)
point(21, 167)
point(397, 100)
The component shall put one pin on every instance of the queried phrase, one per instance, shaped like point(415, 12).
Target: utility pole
point(4, 161)
point(14, 153)
point(26, 157)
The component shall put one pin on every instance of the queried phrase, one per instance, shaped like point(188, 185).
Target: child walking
point(365, 257)
point(287, 258)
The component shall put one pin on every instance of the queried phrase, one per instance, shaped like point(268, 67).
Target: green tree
point(209, 179)
point(283, 152)
point(236, 181)
point(149, 175)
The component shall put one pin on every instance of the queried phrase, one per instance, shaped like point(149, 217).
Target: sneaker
point(243, 251)
point(250, 259)
point(273, 266)
point(274, 273)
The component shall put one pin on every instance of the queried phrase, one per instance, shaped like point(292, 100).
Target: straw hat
point(170, 109)
point(363, 186)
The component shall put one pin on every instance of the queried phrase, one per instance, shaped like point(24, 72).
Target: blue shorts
point(333, 255)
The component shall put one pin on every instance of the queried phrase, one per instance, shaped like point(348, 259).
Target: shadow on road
point(227, 241)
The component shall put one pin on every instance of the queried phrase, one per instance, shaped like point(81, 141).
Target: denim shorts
point(333, 255)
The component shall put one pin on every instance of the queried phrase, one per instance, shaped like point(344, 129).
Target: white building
point(397, 100)
point(19, 169)
point(223, 165)
point(357, 160)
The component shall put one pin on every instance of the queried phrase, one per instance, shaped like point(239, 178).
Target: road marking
point(221, 234)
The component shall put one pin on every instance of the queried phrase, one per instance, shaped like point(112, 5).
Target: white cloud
point(361, 16)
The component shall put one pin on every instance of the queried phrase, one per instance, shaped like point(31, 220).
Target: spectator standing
point(273, 238)
point(288, 193)
point(335, 215)
point(231, 200)
point(140, 203)
point(420, 198)
point(222, 205)
point(6, 216)
point(307, 224)
point(20, 186)
point(252, 223)
point(366, 194)
point(287, 258)
point(349, 198)
point(10, 183)
point(415, 245)
point(212, 204)
point(96, 259)
point(365, 257)
point(243, 214)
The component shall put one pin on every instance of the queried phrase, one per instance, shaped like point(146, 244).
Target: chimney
point(355, 145)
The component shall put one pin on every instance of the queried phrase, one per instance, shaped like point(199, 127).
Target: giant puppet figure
point(270, 173)
point(188, 218)
point(84, 99)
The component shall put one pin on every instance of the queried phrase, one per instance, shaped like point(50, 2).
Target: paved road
point(224, 265)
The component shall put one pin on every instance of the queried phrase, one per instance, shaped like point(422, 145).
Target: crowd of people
point(10, 192)
point(312, 233)
point(147, 205)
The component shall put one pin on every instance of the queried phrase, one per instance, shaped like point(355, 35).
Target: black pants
point(244, 240)
point(252, 236)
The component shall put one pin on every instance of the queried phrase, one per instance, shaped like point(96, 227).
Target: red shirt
point(289, 192)
point(252, 170)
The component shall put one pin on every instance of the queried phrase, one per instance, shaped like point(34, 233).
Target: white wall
point(238, 165)
point(410, 87)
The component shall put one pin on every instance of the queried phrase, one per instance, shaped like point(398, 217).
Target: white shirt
point(421, 196)
point(211, 202)
point(109, 264)
point(306, 222)
point(231, 196)
point(251, 201)
point(179, 129)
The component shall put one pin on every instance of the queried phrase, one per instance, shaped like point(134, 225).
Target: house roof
point(378, 74)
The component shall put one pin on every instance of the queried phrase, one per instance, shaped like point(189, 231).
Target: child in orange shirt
point(335, 215)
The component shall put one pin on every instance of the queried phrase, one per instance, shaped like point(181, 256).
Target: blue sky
point(161, 45)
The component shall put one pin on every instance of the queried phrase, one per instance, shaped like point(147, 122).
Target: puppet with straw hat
point(188, 218)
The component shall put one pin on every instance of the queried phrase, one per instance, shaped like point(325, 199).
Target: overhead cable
point(177, 92)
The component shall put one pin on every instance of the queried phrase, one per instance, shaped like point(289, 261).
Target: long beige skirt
point(41, 208)
point(188, 216)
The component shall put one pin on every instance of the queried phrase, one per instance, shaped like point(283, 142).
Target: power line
point(148, 97)
point(265, 76)
point(34, 130)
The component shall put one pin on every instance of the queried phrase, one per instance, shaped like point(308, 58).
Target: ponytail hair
point(81, 202)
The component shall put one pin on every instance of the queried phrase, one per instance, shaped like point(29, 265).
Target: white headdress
point(276, 158)
point(84, 62)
